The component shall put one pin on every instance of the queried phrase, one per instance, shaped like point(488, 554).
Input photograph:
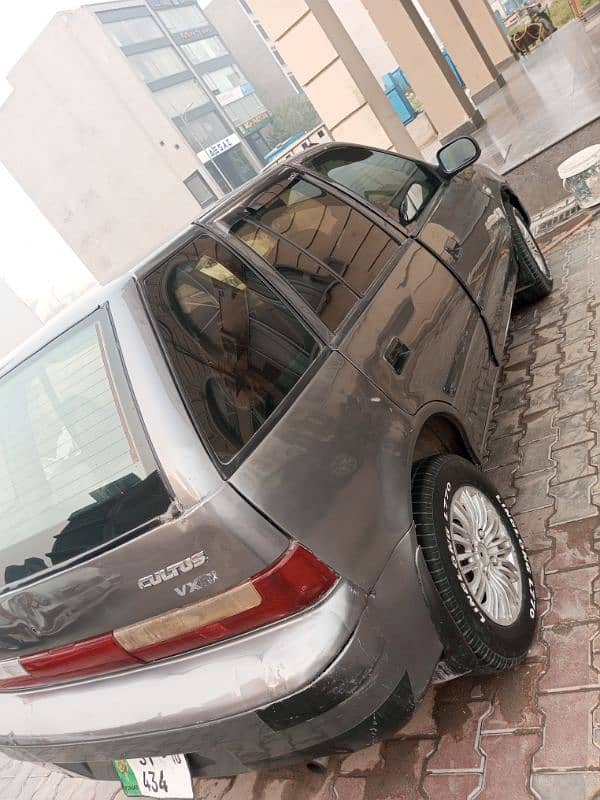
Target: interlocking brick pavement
point(533, 733)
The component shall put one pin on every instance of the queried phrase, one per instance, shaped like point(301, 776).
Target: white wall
point(82, 135)
point(18, 320)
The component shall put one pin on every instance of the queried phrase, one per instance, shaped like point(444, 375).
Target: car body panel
point(342, 446)
point(468, 229)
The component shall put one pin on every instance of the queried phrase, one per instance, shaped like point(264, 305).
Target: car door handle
point(453, 247)
point(396, 354)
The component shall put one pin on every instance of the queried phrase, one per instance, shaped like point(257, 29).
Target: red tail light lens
point(294, 582)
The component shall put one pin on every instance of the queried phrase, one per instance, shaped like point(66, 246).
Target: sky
point(46, 274)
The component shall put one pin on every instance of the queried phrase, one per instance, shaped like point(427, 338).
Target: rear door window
point(338, 239)
point(75, 467)
point(236, 348)
point(398, 186)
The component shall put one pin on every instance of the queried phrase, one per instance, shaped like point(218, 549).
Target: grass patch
point(560, 11)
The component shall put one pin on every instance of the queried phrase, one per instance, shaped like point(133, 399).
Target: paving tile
point(573, 500)
point(578, 351)
point(574, 429)
point(519, 355)
point(459, 727)
point(545, 353)
point(514, 704)
point(574, 401)
point(578, 330)
point(511, 398)
point(574, 545)
point(573, 462)
point(504, 424)
point(507, 765)
point(577, 312)
point(539, 400)
point(570, 663)
point(571, 593)
point(566, 785)
point(533, 527)
point(365, 760)
point(545, 375)
point(404, 764)
point(211, 788)
point(532, 491)
point(577, 374)
point(243, 787)
point(502, 479)
point(536, 456)
point(350, 788)
point(538, 561)
point(422, 722)
point(459, 786)
point(538, 426)
point(517, 375)
point(568, 741)
point(504, 450)
point(550, 317)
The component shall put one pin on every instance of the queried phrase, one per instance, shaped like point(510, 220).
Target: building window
point(155, 64)
point(245, 108)
point(203, 131)
point(246, 7)
point(261, 30)
point(205, 49)
point(181, 98)
point(295, 83)
point(278, 56)
point(200, 189)
point(182, 19)
point(222, 80)
point(236, 348)
point(133, 31)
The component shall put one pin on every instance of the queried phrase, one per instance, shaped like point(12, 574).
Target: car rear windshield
point(76, 470)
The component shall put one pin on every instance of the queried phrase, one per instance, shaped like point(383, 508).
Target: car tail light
point(294, 582)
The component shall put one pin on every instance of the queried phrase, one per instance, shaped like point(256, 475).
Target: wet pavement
point(533, 732)
point(549, 94)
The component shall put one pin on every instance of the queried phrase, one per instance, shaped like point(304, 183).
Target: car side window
point(399, 187)
point(337, 241)
point(236, 348)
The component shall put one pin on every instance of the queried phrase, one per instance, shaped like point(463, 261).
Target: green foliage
point(294, 115)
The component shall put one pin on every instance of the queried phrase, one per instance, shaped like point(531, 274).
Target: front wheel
point(476, 558)
point(535, 280)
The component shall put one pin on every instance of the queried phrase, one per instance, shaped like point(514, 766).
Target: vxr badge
point(173, 570)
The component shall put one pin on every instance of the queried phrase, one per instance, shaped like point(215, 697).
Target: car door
point(418, 337)
point(466, 226)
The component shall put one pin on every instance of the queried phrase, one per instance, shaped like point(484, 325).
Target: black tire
point(533, 283)
point(491, 646)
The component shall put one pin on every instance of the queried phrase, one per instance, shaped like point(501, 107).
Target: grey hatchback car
point(242, 518)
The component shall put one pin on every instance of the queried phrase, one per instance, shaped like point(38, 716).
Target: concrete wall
point(19, 321)
point(84, 138)
point(367, 38)
point(250, 51)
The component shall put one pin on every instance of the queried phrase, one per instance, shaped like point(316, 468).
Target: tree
point(294, 115)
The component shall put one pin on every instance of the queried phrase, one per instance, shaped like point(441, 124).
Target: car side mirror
point(458, 155)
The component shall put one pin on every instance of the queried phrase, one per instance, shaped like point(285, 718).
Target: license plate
point(163, 777)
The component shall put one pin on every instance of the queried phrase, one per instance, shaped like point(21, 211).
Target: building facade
point(248, 42)
point(124, 123)
point(176, 51)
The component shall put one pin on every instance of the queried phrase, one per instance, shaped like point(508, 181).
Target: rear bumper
point(282, 694)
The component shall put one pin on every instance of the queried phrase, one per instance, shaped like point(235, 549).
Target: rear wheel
point(535, 280)
point(477, 560)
